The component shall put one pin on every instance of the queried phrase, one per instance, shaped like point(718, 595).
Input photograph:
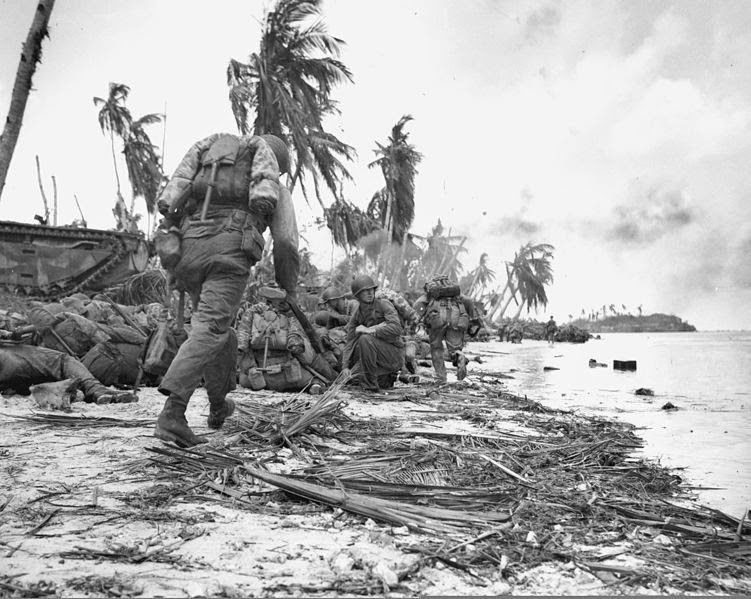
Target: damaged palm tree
point(287, 86)
point(31, 56)
point(394, 204)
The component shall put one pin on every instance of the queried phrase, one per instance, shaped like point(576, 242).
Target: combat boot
point(171, 424)
point(460, 361)
point(219, 411)
point(436, 356)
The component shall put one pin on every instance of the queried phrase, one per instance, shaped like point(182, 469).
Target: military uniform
point(329, 317)
point(446, 320)
point(276, 352)
point(551, 328)
point(24, 365)
point(214, 268)
point(377, 355)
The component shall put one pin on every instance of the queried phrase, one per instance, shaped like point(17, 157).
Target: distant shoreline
point(627, 323)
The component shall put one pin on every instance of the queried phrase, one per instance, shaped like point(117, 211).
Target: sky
point(618, 131)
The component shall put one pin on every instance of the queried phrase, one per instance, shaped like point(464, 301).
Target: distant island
point(627, 323)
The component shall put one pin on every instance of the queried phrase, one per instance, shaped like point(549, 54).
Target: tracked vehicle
point(52, 262)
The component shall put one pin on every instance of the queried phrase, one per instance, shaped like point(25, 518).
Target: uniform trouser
point(30, 365)
point(375, 357)
point(214, 270)
point(454, 339)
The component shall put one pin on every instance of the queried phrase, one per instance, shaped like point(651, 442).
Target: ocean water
point(707, 375)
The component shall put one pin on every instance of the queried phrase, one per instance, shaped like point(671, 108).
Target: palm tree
point(143, 163)
point(533, 274)
point(479, 278)
point(287, 84)
point(394, 204)
point(31, 56)
point(115, 117)
point(347, 223)
point(531, 269)
point(439, 255)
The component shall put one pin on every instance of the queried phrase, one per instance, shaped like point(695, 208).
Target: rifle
point(309, 330)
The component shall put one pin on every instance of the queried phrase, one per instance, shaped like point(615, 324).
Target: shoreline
point(705, 437)
point(93, 511)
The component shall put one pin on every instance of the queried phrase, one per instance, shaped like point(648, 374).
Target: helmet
point(362, 282)
point(280, 151)
point(272, 293)
point(331, 293)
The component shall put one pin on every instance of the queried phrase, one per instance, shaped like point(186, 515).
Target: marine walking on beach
point(447, 316)
point(234, 182)
point(551, 328)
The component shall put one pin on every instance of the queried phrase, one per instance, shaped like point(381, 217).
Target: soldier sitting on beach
point(275, 352)
point(374, 348)
point(335, 310)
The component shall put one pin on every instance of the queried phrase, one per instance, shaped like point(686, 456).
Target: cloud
point(517, 224)
point(542, 23)
point(739, 266)
point(677, 115)
point(646, 217)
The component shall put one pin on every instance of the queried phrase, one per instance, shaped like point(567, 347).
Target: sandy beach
point(88, 510)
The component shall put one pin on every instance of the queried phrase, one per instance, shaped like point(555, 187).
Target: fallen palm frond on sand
point(415, 517)
point(81, 421)
point(279, 423)
point(571, 490)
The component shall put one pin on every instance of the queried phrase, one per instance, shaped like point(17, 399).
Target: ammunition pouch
point(168, 247)
point(284, 373)
point(252, 241)
point(474, 327)
point(253, 379)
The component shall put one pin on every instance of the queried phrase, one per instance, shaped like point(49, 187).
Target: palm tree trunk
point(400, 264)
point(387, 241)
point(31, 55)
point(470, 291)
point(439, 270)
point(114, 162)
point(506, 304)
point(44, 196)
point(454, 256)
point(519, 311)
point(54, 200)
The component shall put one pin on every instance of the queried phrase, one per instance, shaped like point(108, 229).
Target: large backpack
point(232, 178)
point(267, 324)
point(441, 286)
point(447, 311)
point(233, 156)
point(406, 313)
